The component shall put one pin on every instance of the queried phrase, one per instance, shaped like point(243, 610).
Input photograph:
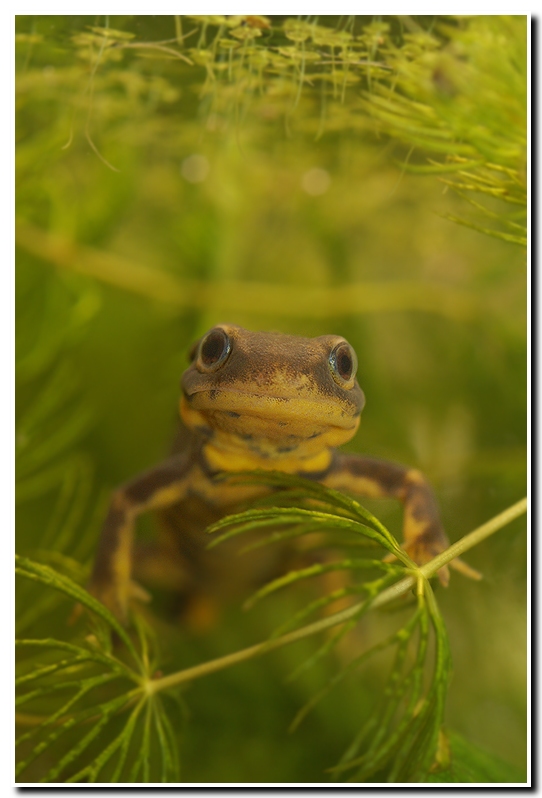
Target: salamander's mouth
point(272, 409)
point(267, 425)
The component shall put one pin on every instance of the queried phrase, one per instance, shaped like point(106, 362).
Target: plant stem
point(235, 295)
point(473, 538)
point(393, 592)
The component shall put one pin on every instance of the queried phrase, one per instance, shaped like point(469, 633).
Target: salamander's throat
point(238, 443)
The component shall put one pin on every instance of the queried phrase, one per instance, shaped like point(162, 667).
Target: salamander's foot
point(427, 544)
point(463, 568)
point(422, 551)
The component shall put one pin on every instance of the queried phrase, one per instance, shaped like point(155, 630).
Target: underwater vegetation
point(365, 176)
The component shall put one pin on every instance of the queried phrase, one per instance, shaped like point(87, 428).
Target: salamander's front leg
point(423, 533)
point(160, 487)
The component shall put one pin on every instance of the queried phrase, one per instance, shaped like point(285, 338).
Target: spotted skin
point(252, 400)
point(423, 533)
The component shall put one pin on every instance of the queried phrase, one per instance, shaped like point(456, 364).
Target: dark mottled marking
point(233, 414)
point(390, 476)
point(417, 506)
point(314, 435)
point(433, 539)
point(109, 541)
point(142, 488)
point(247, 436)
point(286, 449)
point(204, 465)
point(282, 423)
point(265, 360)
point(256, 449)
point(424, 534)
point(315, 476)
point(213, 393)
point(422, 504)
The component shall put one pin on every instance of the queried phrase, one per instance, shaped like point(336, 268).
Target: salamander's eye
point(213, 351)
point(344, 364)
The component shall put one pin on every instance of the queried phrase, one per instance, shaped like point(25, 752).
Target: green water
point(174, 173)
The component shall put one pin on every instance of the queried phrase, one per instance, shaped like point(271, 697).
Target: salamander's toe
point(422, 551)
point(463, 568)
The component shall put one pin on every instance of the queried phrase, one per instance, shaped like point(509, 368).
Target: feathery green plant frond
point(454, 89)
point(400, 740)
point(410, 711)
point(331, 506)
point(90, 713)
point(120, 255)
point(400, 736)
point(52, 420)
point(460, 94)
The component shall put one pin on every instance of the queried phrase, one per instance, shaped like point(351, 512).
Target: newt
point(253, 400)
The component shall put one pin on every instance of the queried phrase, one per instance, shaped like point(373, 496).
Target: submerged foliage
point(71, 691)
point(128, 735)
point(465, 102)
point(175, 172)
point(403, 729)
point(399, 738)
point(451, 90)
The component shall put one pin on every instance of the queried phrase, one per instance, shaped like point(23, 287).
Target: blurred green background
point(177, 172)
